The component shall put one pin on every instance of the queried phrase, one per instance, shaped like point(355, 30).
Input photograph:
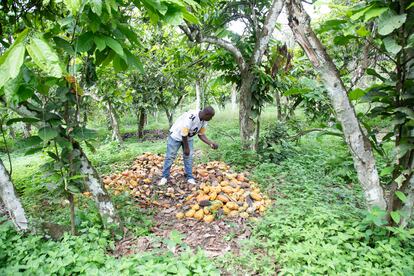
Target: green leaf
point(53, 155)
point(401, 196)
point(44, 56)
point(65, 45)
point(33, 150)
point(99, 42)
point(32, 141)
point(174, 16)
point(356, 94)
point(47, 133)
point(362, 31)
point(391, 45)
point(410, 6)
point(190, 17)
point(96, 6)
point(114, 45)
point(386, 171)
point(374, 12)
point(395, 215)
point(12, 59)
point(119, 64)
point(84, 133)
point(23, 119)
point(360, 13)
point(389, 21)
point(84, 42)
point(131, 35)
point(296, 91)
point(73, 5)
point(134, 61)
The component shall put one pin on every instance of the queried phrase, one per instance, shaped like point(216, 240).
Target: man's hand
point(186, 151)
point(214, 145)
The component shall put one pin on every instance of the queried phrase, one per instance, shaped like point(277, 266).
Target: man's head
point(207, 113)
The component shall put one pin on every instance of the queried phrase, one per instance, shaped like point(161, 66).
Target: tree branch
point(266, 33)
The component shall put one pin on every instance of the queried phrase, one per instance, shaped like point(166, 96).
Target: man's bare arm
point(186, 146)
point(204, 138)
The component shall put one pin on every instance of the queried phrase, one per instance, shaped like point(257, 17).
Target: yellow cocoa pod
point(195, 207)
point(256, 196)
point(179, 215)
point(244, 215)
point(268, 201)
point(216, 205)
point(224, 183)
point(206, 211)
point(217, 189)
point(227, 189)
point(226, 210)
point(202, 197)
point(223, 198)
point(206, 189)
point(233, 214)
point(232, 206)
point(262, 209)
point(213, 196)
point(189, 213)
point(199, 214)
point(208, 218)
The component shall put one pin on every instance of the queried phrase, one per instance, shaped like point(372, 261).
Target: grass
point(318, 224)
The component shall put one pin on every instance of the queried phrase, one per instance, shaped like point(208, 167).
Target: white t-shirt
point(188, 124)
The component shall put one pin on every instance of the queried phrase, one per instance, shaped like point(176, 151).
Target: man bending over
point(181, 135)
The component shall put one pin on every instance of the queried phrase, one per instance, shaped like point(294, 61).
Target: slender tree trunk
point(27, 128)
point(170, 117)
point(114, 120)
point(278, 105)
point(11, 200)
point(234, 98)
point(358, 143)
point(72, 213)
point(141, 122)
point(198, 95)
point(247, 124)
point(99, 194)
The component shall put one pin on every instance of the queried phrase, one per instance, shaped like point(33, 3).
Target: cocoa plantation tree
point(392, 95)
point(247, 50)
point(40, 78)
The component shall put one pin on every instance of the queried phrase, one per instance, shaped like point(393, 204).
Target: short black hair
point(209, 110)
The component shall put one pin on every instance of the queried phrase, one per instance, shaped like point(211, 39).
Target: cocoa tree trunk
point(247, 123)
point(99, 193)
point(11, 201)
point(358, 143)
point(114, 120)
point(170, 117)
point(141, 122)
point(278, 105)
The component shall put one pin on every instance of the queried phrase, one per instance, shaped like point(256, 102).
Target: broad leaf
point(119, 64)
point(12, 59)
point(84, 42)
point(391, 45)
point(114, 45)
point(356, 94)
point(401, 196)
point(65, 45)
point(386, 171)
point(99, 42)
point(47, 133)
point(374, 12)
point(96, 6)
point(73, 5)
point(389, 21)
point(134, 61)
point(45, 57)
point(24, 120)
point(395, 215)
